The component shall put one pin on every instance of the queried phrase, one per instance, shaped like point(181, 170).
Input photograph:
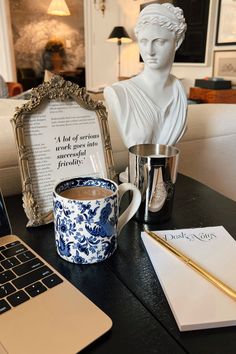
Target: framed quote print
point(60, 133)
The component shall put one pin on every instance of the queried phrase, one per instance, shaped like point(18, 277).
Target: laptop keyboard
point(22, 276)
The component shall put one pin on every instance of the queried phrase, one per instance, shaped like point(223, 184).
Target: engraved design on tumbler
point(159, 193)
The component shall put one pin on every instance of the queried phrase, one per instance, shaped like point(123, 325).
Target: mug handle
point(132, 207)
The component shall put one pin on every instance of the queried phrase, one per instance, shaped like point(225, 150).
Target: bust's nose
point(150, 48)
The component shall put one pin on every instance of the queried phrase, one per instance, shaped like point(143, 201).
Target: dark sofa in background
point(27, 78)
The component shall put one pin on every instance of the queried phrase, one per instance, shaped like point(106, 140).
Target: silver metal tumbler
point(153, 170)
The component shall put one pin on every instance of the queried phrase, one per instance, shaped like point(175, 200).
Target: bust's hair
point(165, 15)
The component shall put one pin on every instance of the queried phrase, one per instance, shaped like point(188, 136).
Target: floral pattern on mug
point(86, 231)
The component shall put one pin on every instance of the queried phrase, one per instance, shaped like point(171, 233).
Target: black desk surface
point(126, 287)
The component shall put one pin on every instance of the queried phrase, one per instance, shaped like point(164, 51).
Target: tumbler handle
point(132, 207)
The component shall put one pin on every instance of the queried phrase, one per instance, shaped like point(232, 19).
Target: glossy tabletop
point(126, 287)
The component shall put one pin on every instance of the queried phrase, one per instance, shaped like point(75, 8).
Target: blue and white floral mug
point(86, 217)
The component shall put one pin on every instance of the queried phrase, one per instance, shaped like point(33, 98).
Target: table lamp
point(59, 8)
point(119, 35)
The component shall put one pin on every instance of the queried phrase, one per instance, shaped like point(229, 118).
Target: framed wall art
point(225, 65)
point(225, 34)
point(60, 133)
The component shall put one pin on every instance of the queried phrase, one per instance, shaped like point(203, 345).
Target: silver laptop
point(40, 311)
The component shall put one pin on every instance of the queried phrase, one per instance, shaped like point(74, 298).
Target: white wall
point(7, 58)
point(102, 56)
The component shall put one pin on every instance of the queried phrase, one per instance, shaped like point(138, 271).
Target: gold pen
point(188, 261)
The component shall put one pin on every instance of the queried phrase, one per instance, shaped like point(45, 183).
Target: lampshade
point(59, 8)
point(119, 35)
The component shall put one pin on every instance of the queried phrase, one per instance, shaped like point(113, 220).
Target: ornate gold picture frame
point(60, 133)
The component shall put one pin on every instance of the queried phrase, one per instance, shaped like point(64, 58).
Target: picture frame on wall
point(225, 33)
point(225, 65)
point(60, 133)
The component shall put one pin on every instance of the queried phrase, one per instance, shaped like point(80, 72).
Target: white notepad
point(194, 301)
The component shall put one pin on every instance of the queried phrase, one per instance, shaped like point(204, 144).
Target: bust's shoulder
point(175, 81)
point(117, 90)
point(110, 93)
point(121, 85)
point(179, 87)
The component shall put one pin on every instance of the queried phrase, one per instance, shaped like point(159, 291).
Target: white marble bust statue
point(151, 107)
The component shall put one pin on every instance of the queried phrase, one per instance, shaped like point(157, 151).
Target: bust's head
point(160, 30)
point(165, 15)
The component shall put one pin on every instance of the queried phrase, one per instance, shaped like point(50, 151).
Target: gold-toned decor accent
point(100, 5)
point(192, 264)
point(46, 98)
